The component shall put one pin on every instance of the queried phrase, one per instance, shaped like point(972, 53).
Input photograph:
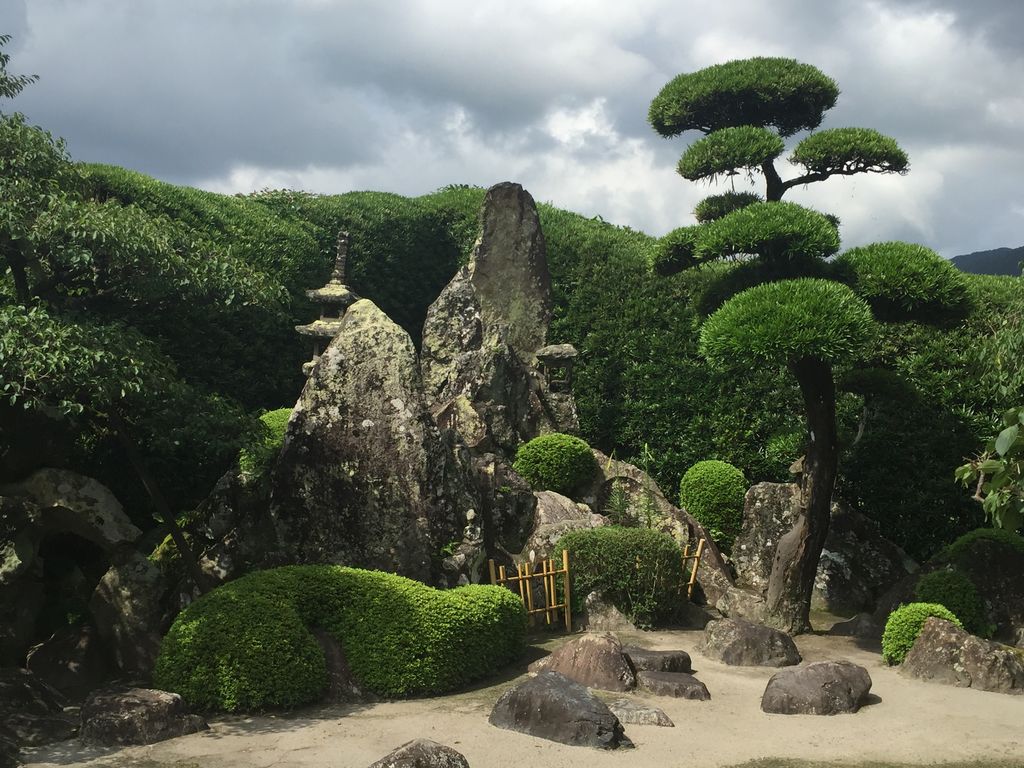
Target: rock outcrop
point(122, 716)
point(944, 653)
point(594, 660)
point(554, 516)
point(819, 688)
point(632, 712)
point(645, 660)
point(742, 643)
point(32, 712)
point(679, 685)
point(364, 477)
point(72, 660)
point(422, 753)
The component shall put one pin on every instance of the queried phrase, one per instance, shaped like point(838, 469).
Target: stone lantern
point(555, 362)
point(334, 298)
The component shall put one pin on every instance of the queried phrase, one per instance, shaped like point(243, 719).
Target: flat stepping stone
point(679, 685)
point(645, 660)
point(634, 713)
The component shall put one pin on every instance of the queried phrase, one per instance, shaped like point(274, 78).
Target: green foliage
point(847, 151)
point(675, 251)
point(725, 151)
point(997, 474)
point(905, 624)
point(639, 570)
point(967, 546)
point(761, 91)
point(713, 492)
point(772, 230)
point(11, 85)
point(782, 322)
point(247, 645)
point(258, 455)
point(906, 281)
point(555, 462)
point(716, 206)
point(956, 592)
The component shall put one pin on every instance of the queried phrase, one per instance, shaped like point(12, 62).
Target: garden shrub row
point(247, 645)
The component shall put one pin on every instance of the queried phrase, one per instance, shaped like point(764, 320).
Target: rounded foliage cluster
point(786, 321)
point(247, 645)
point(783, 93)
point(713, 491)
point(904, 625)
point(256, 457)
point(967, 547)
point(906, 281)
point(639, 570)
point(716, 206)
point(674, 251)
point(850, 150)
point(773, 230)
point(954, 590)
point(727, 149)
point(555, 462)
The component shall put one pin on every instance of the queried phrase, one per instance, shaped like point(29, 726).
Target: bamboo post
point(547, 592)
point(519, 582)
point(696, 565)
point(501, 575)
point(529, 588)
point(490, 567)
point(568, 609)
point(553, 589)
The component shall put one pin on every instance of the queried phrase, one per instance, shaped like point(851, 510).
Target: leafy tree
point(997, 474)
point(781, 310)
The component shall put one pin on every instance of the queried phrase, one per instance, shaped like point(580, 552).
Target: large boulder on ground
point(422, 753)
point(595, 660)
point(72, 660)
point(364, 478)
point(121, 716)
point(551, 706)
point(32, 712)
point(819, 688)
point(554, 516)
point(857, 563)
point(635, 713)
point(944, 653)
point(742, 643)
point(127, 607)
point(600, 615)
point(646, 660)
point(863, 625)
point(679, 685)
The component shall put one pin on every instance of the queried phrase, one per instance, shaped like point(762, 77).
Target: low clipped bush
point(904, 625)
point(639, 570)
point(247, 645)
point(960, 551)
point(256, 457)
point(954, 590)
point(712, 491)
point(555, 462)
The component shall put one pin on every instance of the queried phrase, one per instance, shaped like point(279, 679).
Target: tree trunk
point(16, 263)
point(796, 557)
point(774, 187)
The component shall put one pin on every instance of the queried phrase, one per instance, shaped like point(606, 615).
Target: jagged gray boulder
point(551, 706)
point(679, 685)
point(422, 753)
point(481, 335)
point(364, 477)
point(742, 643)
point(600, 615)
point(554, 516)
point(123, 716)
point(857, 563)
point(635, 713)
point(944, 653)
point(593, 659)
point(819, 688)
point(646, 660)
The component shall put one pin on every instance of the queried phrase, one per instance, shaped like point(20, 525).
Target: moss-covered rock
point(904, 625)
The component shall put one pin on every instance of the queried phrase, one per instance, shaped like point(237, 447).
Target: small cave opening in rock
point(71, 568)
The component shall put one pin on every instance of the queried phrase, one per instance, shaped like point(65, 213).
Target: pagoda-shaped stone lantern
point(556, 362)
point(334, 298)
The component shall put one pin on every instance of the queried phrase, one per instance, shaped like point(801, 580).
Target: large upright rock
point(482, 333)
point(944, 653)
point(364, 477)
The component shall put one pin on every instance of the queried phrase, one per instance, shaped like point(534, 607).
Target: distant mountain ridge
point(998, 261)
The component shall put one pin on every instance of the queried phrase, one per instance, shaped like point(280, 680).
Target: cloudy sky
point(411, 95)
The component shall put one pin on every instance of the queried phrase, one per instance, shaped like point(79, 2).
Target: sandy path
point(910, 722)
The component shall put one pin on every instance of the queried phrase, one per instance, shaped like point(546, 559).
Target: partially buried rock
point(679, 685)
point(551, 706)
point(422, 753)
point(743, 643)
point(944, 653)
point(121, 716)
point(634, 713)
point(601, 615)
point(643, 659)
point(820, 688)
point(71, 660)
point(595, 660)
point(32, 712)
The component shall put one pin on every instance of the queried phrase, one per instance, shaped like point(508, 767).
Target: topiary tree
point(904, 625)
point(713, 491)
point(808, 324)
point(953, 589)
point(555, 462)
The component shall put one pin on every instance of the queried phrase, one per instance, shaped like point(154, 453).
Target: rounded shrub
point(639, 570)
point(555, 462)
point(247, 645)
point(256, 457)
point(971, 543)
point(712, 491)
point(954, 590)
point(904, 625)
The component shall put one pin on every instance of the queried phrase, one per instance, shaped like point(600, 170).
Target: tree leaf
point(1006, 439)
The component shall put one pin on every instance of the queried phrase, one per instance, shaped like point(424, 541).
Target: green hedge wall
point(247, 645)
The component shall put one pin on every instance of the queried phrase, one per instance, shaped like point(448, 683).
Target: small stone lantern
point(334, 298)
point(555, 362)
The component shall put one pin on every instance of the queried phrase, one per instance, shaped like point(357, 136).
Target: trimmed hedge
point(247, 645)
point(954, 590)
point(639, 570)
point(960, 550)
point(555, 462)
point(257, 456)
point(713, 492)
point(904, 625)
